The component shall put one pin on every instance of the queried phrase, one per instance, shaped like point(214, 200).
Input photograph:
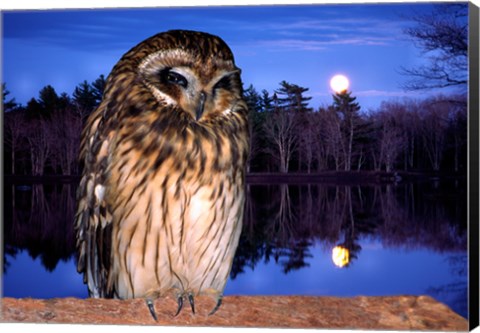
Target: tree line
point(43, 137)
point(287, 135)
point(407, 135)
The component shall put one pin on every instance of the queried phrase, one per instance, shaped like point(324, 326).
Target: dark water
point(404, 239)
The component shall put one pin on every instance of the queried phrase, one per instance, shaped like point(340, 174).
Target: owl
point(161, 196)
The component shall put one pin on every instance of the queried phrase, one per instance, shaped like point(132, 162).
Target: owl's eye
point(176, 78)
point(227, 82)
point(224, 83)
point(169, 76)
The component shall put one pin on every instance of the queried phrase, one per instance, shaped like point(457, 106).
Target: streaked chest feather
point(190, 205)
point(189, 187)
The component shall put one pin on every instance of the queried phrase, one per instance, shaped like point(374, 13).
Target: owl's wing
point(93, 220)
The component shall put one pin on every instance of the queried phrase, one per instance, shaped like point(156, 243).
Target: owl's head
point(193, 71)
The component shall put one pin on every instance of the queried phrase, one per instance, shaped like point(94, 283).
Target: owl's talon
point(180, 305)
point(219, 302)
point(192, 302)
point(152, 309)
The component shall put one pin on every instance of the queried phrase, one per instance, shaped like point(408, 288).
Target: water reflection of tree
point(250, 249)
point(421, 215)
point(355, 217)
point(274, 231)
point(38, 219)
point(283, 221)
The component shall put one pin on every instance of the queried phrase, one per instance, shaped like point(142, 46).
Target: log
point(376, 313)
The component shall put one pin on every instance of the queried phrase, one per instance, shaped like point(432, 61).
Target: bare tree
point(433, 130)
point(290, 97)
point(307, 139)
point(40, 141)
point(14, 127)
point(408, 118)
point(390, 140)
point(323, 136)
point(280, 130)
point(397, 122)
point(442, 35)
point(66, 131)
point(332, 136)
point(458, 126)
point(320, 144)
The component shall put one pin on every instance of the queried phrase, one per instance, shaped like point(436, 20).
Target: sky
point(301, 44)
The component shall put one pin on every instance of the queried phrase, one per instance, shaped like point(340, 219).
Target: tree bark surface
point(385, 313)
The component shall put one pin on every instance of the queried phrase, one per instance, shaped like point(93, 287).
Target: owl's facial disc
point(199, 89)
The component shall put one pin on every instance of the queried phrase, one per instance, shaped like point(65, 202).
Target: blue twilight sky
point(302, 44)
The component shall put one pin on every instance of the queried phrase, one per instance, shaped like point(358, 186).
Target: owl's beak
point(200, 105)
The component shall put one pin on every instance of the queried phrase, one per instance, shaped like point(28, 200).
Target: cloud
point(318, 45)
point(364, 25)
point(386, 93)
point(321, 34)
point(294, 44)
point(283, 28)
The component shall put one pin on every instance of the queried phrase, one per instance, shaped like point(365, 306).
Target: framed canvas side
point(473, 137)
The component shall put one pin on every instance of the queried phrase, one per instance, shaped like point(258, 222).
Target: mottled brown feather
point(160, 202)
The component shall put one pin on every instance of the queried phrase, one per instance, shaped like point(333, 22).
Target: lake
point(406, 238)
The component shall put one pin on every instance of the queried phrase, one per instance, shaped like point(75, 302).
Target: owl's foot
point(180, 298)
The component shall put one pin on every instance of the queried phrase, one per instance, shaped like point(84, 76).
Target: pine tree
point(48, 101)
point(256, 118)
point(34, 110)
point(10, 104)
point(98, 88)
point(253, 99)
point(266, 101)
point(84, 98)
point(290, 97)
point(347, 109)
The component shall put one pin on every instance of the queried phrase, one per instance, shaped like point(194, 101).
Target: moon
point(339, 83)
point(340, 256)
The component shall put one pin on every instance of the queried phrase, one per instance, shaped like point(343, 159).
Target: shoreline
point(328, 177)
